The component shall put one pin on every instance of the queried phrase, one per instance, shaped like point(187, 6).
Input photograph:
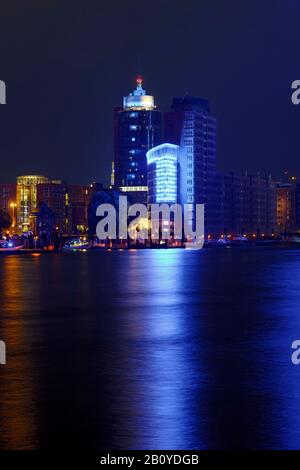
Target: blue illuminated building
point(162, 173)
point(137, 128)
point(191, 125)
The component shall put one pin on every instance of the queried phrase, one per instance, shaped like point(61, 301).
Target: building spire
point(139, 86)
point(139, 81)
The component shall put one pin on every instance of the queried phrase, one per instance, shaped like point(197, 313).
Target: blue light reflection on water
point(166, 384)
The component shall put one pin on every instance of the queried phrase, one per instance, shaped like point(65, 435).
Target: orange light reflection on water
point(18, 389)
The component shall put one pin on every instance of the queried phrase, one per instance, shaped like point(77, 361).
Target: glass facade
point(191, 126)
point(137, 128)
point(27, 199)
point(162, 173)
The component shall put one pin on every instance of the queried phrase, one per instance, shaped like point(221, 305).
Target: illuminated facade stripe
point(162, 163)
point(125, 189)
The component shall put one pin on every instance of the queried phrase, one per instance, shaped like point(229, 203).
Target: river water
point(151, 349)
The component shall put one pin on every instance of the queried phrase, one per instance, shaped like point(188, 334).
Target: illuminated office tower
point(162, 174)
point(27, 199)
point(191, 125)
point(137, 128)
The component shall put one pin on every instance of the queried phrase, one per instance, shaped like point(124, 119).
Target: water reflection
point(18, 412)
point(150, 349)
point(163, 373)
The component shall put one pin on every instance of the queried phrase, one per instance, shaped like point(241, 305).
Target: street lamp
point(13, 205)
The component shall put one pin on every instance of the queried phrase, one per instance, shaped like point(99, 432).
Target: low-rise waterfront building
point(248, 205)
point(27, 199)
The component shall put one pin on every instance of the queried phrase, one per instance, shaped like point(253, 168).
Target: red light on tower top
point(138, 99)
point(139, 80)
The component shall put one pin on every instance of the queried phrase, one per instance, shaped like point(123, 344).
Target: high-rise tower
point(191, 125)
point(137, 128)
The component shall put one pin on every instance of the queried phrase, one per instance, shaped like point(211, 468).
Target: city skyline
point(61, 91)
point(106, 179)
point(234, 203)
point(149, 231)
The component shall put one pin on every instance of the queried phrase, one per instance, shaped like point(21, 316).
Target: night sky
point(67, 64)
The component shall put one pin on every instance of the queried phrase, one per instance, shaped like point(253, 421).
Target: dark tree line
point(5, 220)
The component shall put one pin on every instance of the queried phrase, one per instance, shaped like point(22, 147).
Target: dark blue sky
point(66, 64)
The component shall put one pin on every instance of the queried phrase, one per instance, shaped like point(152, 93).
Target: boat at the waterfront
point(75, 245)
